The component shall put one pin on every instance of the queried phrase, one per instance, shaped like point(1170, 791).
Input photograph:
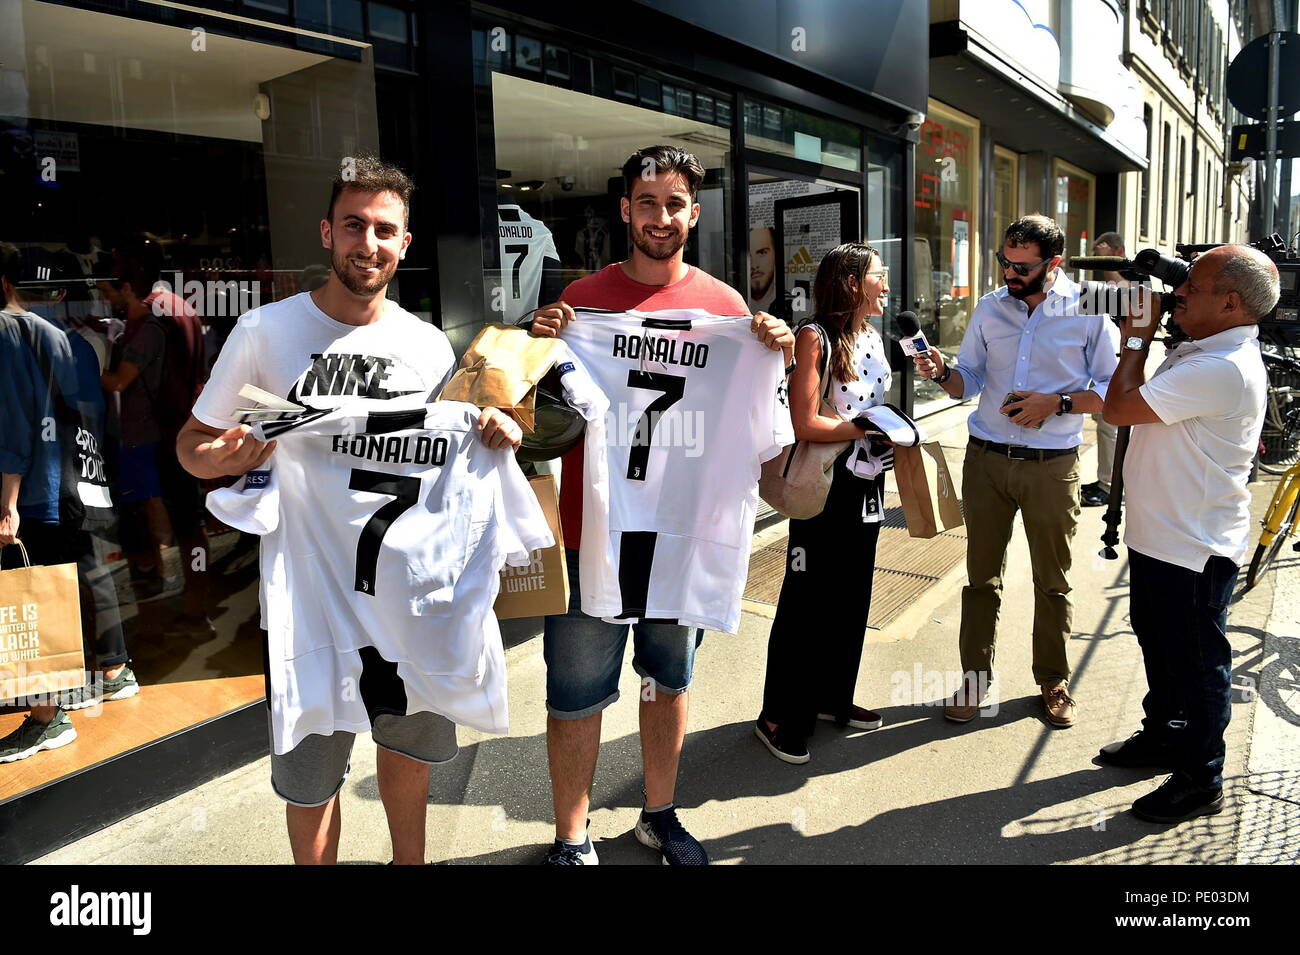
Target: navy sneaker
point(1177, 800)
point(663, 832)
point(561, 853)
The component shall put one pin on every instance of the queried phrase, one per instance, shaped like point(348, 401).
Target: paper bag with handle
point(40, 631)
point(501, 370)
point(541, 588)
point(925, 484)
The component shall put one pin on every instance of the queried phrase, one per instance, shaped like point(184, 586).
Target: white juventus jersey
point(695, 407)
point(384, 532)
point(524, 243)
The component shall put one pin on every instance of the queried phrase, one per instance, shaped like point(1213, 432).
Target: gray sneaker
point(121, 687)
point(34, 736)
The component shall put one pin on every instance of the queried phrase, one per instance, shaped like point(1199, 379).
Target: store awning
point(1017, 110)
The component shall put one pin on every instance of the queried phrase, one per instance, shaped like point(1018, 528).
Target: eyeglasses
point(1020, 268)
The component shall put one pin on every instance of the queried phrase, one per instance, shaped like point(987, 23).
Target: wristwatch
point(1135, 343)
point(789, 369)
point(1067, 404)
point(947, 373)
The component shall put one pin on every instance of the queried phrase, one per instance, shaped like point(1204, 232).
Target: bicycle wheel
point(1281, 440)
point(1264, 555)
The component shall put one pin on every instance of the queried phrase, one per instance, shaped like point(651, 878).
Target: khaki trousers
point(994, 487)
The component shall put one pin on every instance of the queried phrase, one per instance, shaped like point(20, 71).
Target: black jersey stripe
point(635, 558)
point(381, 687)
point(680, 324)
point(386, 422)
point(273, 428)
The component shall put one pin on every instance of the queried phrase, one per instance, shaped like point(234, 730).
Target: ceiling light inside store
point(262, 106)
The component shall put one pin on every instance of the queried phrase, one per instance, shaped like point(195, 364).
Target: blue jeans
point(584, 656)
point(1181, 621)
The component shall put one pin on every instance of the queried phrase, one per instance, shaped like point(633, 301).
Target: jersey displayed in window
point(671, 474)
point(524, 244)
point(384, 530)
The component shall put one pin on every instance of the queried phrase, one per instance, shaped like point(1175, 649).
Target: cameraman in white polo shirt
point(1196, 431)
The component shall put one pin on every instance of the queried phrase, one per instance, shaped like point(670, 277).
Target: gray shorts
point(312, 772)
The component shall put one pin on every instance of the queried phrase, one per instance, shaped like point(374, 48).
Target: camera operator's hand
point(929, 365)
point(1032, 408)
point(549, 320)
point(1143, 318)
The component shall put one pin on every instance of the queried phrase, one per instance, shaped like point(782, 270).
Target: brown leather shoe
point(1059, 705)
point(965, 703)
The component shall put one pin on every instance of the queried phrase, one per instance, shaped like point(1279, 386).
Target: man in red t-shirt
point(584, 654)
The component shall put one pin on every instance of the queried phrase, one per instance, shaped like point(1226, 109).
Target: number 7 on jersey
point(406, 490)
point(672, 386)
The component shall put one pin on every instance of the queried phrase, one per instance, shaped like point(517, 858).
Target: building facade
point(199, 141)
point(1108, 115)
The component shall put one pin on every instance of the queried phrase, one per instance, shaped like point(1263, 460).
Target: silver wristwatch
point(1134, 343)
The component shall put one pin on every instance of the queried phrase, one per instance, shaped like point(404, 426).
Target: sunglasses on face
point(1020, 268)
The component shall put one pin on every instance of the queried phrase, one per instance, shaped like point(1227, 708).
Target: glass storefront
point(162, 147)
point(187, 152)
point(1074, 191)
point(947, 228)
point(562, 124)
point(1006, 190)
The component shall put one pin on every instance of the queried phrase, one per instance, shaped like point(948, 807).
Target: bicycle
point(1279, 520)
point(1280, 440)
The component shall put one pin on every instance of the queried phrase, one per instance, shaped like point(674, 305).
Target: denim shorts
point(584, 656)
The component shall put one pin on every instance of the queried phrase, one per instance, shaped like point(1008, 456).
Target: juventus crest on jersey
point(672, 465)
point(384, 529)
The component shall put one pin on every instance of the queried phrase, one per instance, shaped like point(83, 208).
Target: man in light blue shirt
point(1038, 368)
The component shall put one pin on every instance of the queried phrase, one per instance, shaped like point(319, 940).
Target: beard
point(659, 250)
point(759, 286)
point(1026, 289)
point(355, 283)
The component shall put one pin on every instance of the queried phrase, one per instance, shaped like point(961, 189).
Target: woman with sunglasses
point(821, 619)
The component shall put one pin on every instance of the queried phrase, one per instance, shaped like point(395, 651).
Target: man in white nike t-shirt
point(343, 342)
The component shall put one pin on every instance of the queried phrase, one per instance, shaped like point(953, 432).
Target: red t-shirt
point(611, 288)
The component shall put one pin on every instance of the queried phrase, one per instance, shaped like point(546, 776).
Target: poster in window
point(960, 253)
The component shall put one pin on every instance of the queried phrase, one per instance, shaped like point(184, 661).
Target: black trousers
point(816, 640)
point(1180, 617)
point(101, 621)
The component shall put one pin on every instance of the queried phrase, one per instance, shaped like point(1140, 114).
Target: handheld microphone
point(1101, 263)
point(909, 335)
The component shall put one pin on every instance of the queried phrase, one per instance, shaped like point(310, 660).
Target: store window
point(1075, 192)
point(1006, 191)
point(562, 124)
point(784, 131)
point(126, 156)
point(946, 215)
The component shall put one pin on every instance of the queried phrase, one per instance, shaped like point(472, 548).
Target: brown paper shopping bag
point(501, 369)
point(925, 484)
point(541, 588)
point(40, 630)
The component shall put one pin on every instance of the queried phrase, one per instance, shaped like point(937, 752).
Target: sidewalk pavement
point(1005, 788)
